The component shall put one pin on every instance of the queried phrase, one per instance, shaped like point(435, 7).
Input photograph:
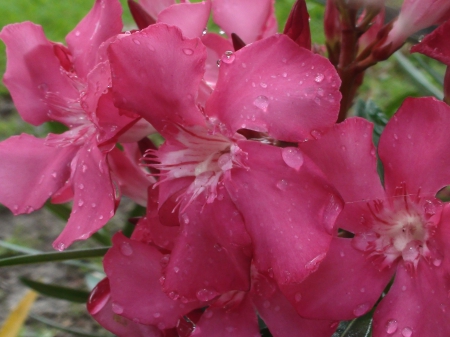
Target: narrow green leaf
point(418, 76)
point(26, 250)
point(55, 291)
point(54, 256)
point(73, 331)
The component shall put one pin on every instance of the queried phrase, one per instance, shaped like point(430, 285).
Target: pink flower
point(51, 82)
point(226, 191)
point(401, 230)
point(414, 16)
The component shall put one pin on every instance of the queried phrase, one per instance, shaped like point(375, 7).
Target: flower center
point(196, 153)
point(400, 227)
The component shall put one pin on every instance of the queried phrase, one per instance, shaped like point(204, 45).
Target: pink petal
point(346, 276)
point(94, 197)
point(33, 72)
point(154, 7)
point(216, 46)
point(30, 172)
point(191, 18)
point(346, 156)
point(167, 69)
point(142, 18)
point(414, 147)
point(101, 23)
point(417, 304)
point(277, 87)
point(239, 321)
point(250, 20)
point(281, 317)
point(100, 307)
point(134, 270)
point(132, 180)
point(289, 212)
point(436, 44)
point(209, 257)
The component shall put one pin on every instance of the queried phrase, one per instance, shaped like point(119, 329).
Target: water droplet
point(80, 203)
point(136, 42)
point(117, 308)
point(266, 304)
point(94, 205)
point(282, 185)
point(395, 136)
point(228, 57)
point(404, 288)
point(293, 157)
point(313, 265)
point(221, 32)
point(99, 297)
point(391, 326)
point(100, 217)
point(205, 295)
point(156, 314)
point(126, 249)
point(363, 290)
point(60, 246)
point(176, 269)
point(81, 186)
point(316, 134)
point(412, 251)
point(361, 309)
point(84, 168)
point(263, 85)
point(77, 33)
point(173, 295)
point(185, 218)
point(261, 102)
point(54, 174)
point(188, 51)
point(298, 297)
point(284, 75)
point(162, 280)
point(205, 31)
point(429, 207)
point(407, 332)
point(319, 78)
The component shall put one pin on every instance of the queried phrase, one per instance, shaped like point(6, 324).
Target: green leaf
point(55, 291)
point(60, 210)
point(54, 256)
point(370, 111)
point(361, 327)
point(73, 331)
point(26, 250)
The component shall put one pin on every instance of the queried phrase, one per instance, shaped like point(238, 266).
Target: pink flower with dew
point(133, 295)
point(271, 89)
point(414, 16)
point(401, 231)
point(51, 82)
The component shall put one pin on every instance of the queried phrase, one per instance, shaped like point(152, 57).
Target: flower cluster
point(259, 205)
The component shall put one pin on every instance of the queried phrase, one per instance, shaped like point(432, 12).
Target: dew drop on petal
point(266, 304)
point(261, 102)
point(156, 314)
point(361, 309)
point(407, 332)
point(188, 51)
point(81, 186)
point(117, 308)
point(282, 185)
point(60, 246)
point(314, 263)
point(185, 218)
point(316, 134)
point(176, 269)
point(319, 78)
point(126, 249)
point(228, 57)
point(293, 157)
point(298, 297)
point(205, 295)
point(136, 41)
point(263, 85)
point(391, 326)
point(80, 203)
point(99, 297)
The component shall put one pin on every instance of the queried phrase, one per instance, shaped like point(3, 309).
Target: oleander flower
point(70, 85)
point(230, 193)
point(400, 231)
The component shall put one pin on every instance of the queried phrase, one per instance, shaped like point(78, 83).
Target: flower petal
point(134, 270)
point(167, 68)
point(94, 197)
point(30, 172)
point(289, 212)
point(154, 7)
point(101, 23)
point(100, 307)
point(281, 317)
point(436, 44)
point(414, 147)
point(417, 304)
point(250, 20)
point(347, 277)
point(277, 87)
point(191, 18)
point(33, 72)
point(346, 156)
point(240, 321)
point(209, 256)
